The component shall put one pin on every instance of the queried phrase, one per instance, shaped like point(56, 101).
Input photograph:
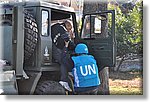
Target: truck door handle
point(100, 48)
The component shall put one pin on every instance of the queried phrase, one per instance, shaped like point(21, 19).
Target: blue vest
point(85, 71)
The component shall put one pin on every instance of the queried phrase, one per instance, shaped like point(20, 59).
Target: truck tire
point(49, 88)
point(31, 35)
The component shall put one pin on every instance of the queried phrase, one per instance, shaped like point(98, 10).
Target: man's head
point(69, 28)
point(81, 49)
point(68, 25)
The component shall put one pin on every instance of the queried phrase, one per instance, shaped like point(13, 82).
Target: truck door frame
point(100, 45)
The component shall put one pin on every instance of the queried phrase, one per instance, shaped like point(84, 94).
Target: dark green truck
point(26, 45)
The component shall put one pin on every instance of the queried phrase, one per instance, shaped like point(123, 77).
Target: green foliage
point(128, 30)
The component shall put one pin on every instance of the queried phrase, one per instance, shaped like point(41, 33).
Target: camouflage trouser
point(57, 57)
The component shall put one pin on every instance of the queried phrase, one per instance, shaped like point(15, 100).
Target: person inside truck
point(84, 69)
point(69, 28)
point(62, 32)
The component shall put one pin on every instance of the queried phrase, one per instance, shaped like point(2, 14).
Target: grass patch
point(128, 83)
point(125, 91)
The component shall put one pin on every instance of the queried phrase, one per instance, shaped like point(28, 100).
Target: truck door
point(98, 32)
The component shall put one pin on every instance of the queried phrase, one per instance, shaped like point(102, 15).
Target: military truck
point(26, 44)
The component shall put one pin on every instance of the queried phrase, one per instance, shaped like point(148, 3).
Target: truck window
point(95, 26)
point(86, 27)
point(45, 23)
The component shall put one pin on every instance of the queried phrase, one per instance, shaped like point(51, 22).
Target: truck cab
point(26, 43)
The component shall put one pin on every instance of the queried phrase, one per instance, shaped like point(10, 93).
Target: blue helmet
point(81, 48)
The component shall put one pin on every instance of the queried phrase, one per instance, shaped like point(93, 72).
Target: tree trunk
point(104, 76)
point(89, 7)
point(121, 61)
